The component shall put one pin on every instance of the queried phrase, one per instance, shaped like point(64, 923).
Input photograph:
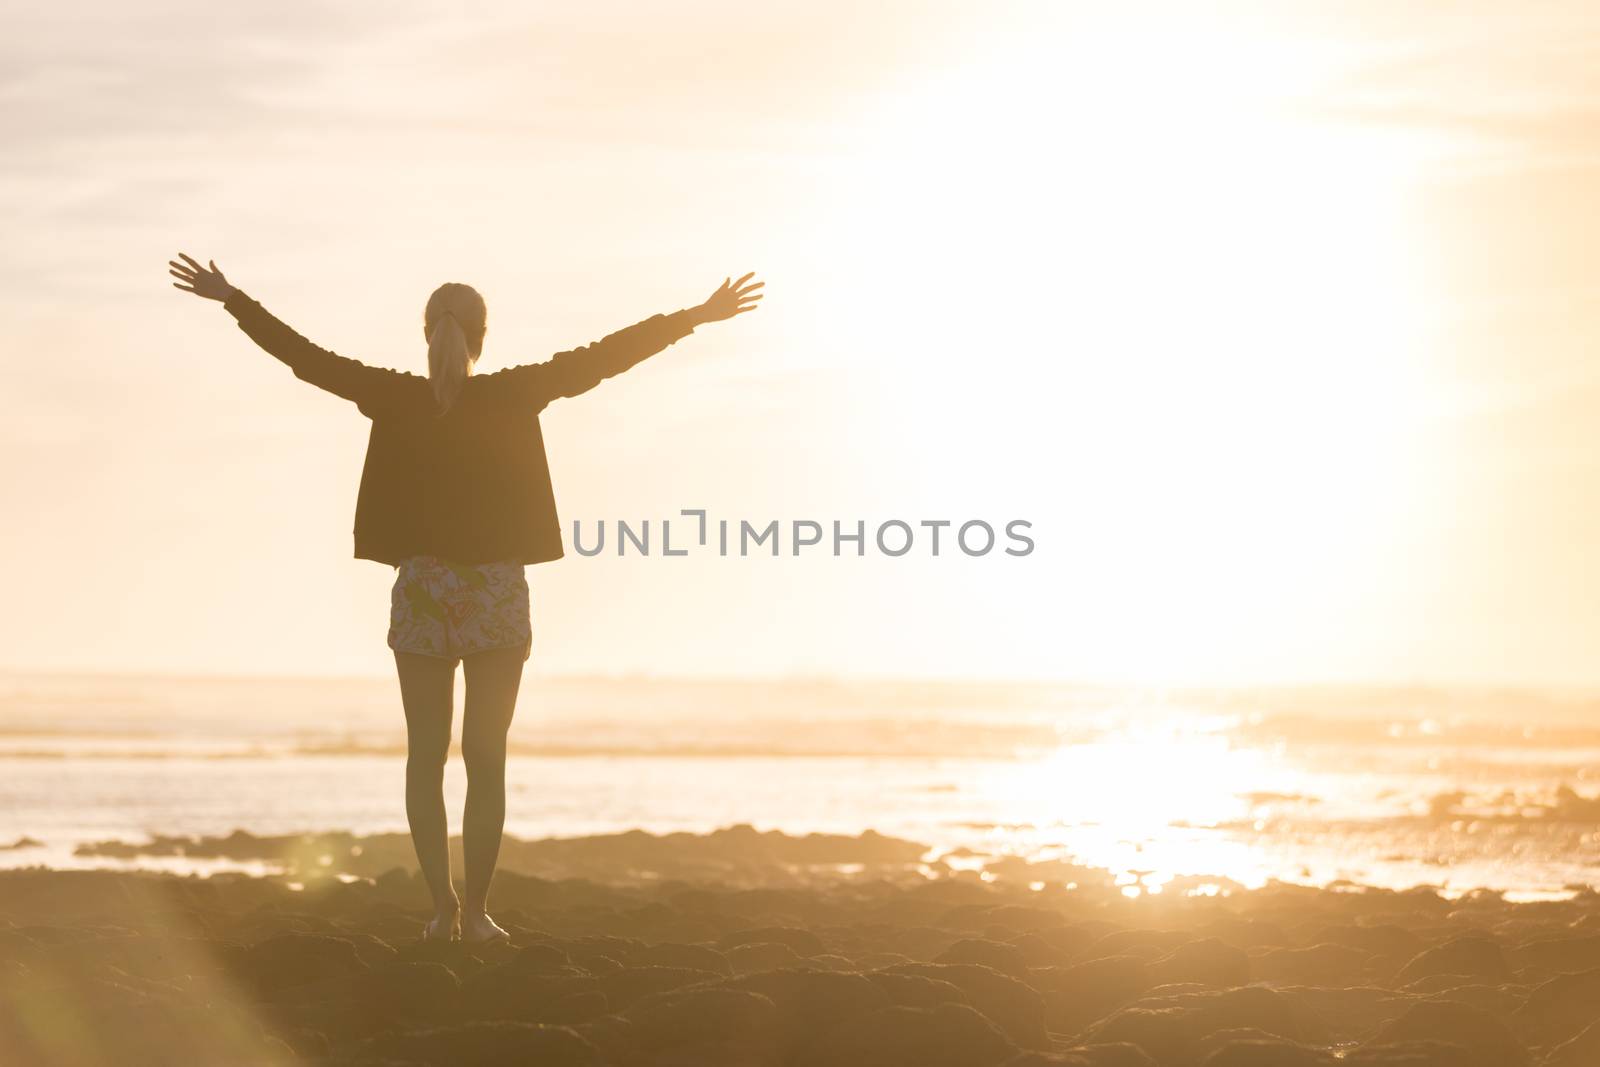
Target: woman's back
point(471, 484)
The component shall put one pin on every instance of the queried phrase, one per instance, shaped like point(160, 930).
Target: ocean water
point(1393, 787)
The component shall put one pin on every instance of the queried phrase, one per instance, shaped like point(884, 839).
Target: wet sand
point(751, 949)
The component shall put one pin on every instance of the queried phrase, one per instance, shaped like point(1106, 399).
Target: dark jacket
point(471, 485)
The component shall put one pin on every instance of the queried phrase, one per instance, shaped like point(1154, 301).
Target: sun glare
point(1181, 270)
point(1144, 804)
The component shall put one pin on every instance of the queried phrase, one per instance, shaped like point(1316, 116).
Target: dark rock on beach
point(743, 949)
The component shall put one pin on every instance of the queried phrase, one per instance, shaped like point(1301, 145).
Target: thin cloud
point(1498, 92)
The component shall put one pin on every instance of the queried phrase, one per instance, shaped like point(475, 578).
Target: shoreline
point(738, 854)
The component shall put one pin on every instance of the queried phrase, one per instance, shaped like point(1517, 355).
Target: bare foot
point(478, 929)
point(444, 926)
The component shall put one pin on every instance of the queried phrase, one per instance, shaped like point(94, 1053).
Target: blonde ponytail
point(449, 362)
point(454, 323)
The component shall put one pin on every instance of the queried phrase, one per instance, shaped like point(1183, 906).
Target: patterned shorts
point(450, 610)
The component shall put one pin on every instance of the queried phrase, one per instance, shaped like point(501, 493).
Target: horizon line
point(1547, 689)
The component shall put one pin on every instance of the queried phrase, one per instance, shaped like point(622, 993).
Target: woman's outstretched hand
point(731, 298)
point(207, 283)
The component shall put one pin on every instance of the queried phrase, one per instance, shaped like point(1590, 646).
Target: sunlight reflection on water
point(1161, 795)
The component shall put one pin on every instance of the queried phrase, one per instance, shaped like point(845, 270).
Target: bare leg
point(493, 678)
point(427, 688)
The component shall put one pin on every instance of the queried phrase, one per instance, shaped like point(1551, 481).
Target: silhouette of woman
point(455, 495)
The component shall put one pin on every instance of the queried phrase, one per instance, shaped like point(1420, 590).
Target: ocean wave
point(684, 741)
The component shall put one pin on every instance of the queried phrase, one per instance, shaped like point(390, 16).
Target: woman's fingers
point(188, 272)
point(734, 297)
point(192, 277)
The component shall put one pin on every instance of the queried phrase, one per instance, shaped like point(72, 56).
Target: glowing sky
point(1275, 320)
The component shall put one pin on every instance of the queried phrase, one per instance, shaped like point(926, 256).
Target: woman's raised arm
point(581, 369)
point(337, 374)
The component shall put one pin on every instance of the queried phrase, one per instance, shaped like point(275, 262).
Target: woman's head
point(453, 322)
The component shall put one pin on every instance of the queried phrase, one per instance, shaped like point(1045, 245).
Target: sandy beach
point(747, 948)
